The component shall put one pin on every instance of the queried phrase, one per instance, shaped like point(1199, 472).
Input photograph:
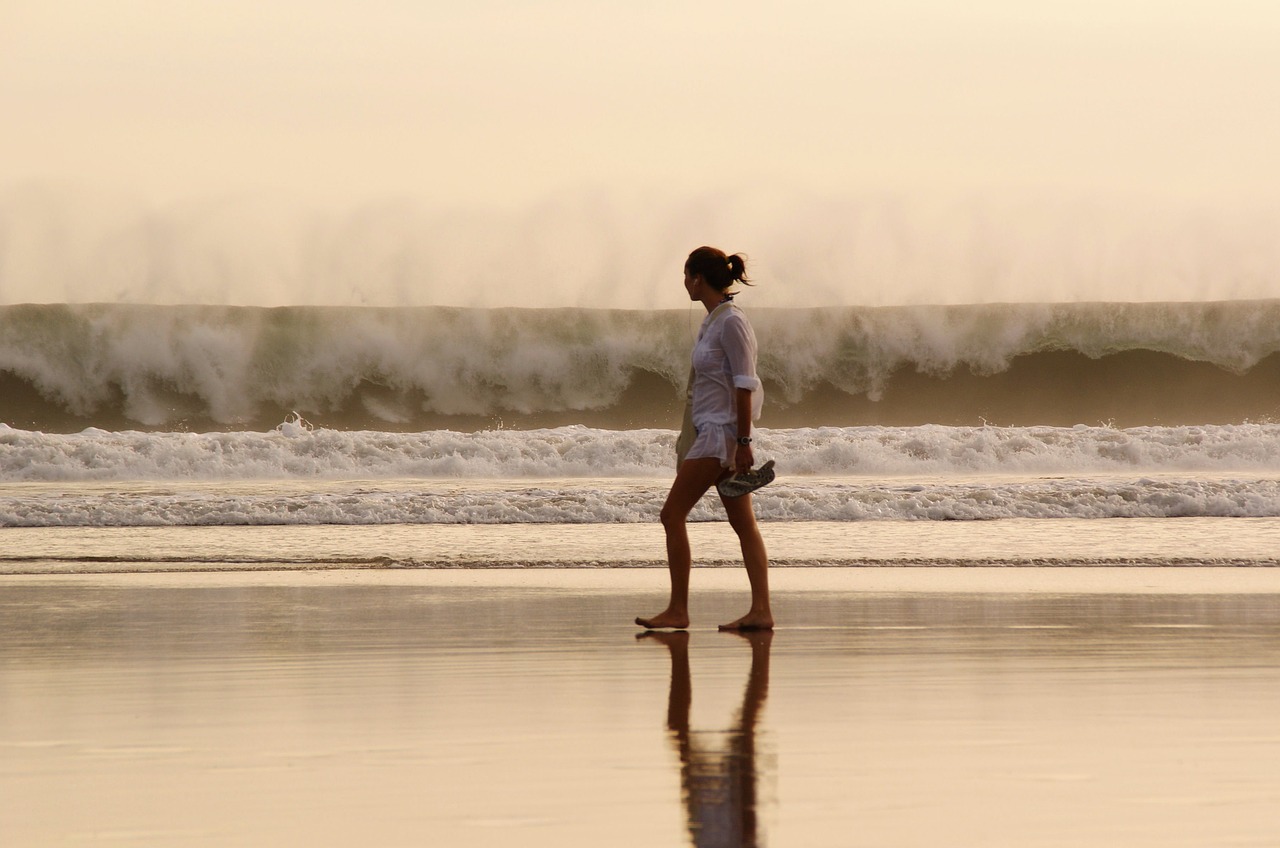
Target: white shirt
point(724, 359)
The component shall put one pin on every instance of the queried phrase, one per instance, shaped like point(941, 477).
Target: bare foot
point(751, 621)
point(665, 619)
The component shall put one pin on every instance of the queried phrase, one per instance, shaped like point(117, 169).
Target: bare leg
point(692, 481)
point(742, 518)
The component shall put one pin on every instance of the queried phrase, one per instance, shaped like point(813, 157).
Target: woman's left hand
point(743, 459)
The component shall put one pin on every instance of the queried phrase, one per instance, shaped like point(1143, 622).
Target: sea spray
point(605, 248)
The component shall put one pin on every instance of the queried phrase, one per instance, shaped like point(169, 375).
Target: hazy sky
point(490, 103)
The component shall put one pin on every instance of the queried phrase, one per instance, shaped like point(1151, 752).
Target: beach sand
point(894, 706)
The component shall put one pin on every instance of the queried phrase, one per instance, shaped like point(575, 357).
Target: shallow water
point(1014, 542)
point(1100, 706)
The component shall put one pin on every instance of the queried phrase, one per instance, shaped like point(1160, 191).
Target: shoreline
point(852, 580)
point(1009, 545)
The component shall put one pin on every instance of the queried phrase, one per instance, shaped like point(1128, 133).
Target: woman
point(725, 399)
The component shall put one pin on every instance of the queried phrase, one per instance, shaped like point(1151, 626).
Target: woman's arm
point(744, 457)
point(739, 343)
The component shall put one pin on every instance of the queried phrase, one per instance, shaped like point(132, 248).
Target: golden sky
point(494, 99)
point(496, 104)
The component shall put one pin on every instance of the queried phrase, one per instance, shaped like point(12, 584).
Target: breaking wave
point(68, 367)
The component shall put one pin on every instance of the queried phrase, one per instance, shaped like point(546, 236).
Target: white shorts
point(715, 440)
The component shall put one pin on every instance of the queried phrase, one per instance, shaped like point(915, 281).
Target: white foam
point(294, 450)
point(577, 474)
point(632, 501)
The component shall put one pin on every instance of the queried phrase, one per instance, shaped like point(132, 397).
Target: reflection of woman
point(726, 398)
point(718, 781)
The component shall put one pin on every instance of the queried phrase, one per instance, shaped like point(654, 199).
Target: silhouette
point(724, 399)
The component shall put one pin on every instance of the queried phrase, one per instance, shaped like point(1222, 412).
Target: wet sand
point(1092, 706)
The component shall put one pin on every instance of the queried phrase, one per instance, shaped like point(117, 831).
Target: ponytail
point(738, 269)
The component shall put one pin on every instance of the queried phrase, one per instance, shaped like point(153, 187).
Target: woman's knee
point(672, 516)
point(675, 510)
point(692, 481)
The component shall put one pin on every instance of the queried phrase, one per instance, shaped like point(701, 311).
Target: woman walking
point(726, 398)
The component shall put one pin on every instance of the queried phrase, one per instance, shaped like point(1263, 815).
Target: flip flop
point(738, 485)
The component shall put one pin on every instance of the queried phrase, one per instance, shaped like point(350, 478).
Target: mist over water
point(602, 249)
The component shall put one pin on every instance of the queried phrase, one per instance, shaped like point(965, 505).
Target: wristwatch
point(744, 440)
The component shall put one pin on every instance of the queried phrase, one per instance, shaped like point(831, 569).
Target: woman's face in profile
point(691, 284)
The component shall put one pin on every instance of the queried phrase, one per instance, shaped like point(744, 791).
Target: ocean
point(205, 437)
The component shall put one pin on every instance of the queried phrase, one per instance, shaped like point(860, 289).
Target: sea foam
point(295, 452)
point(301, 475)
point(639, 501)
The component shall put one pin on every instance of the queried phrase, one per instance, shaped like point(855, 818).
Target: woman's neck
point(715, 300)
